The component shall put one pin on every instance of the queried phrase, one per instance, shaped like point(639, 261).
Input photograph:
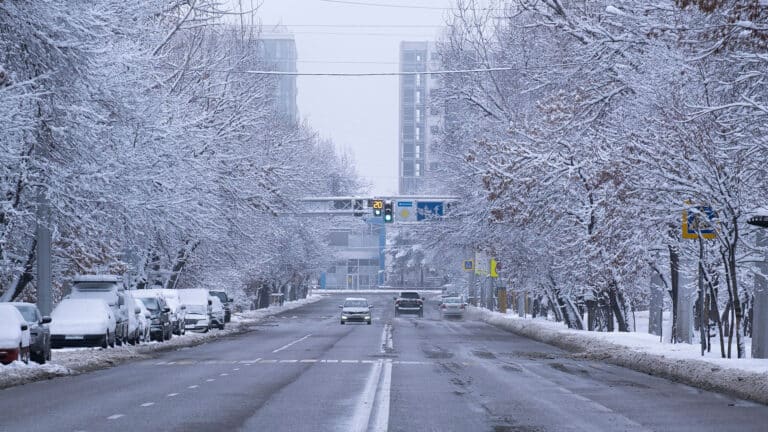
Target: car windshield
point(221, 295)
point(151, 303)
point(197, 309)
point(356, 303)
point(452, 300)
point(28, 312)
point(409, 295)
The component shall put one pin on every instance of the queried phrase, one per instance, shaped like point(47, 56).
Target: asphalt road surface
point(303, 371)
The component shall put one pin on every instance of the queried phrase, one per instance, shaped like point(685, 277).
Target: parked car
point(178, 310)
point(83, 322)
point(39, 332)
point(145, 321)
point(111, 289)
point(14, 335)
point(198, 305)
point(452, 306)
point(135, 322)
point(161, 328)
point(217, 313)
point(225, 301)
point(356, 309)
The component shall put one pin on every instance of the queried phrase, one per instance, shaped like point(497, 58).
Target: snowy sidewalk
point(73, 361)
point(745, 378)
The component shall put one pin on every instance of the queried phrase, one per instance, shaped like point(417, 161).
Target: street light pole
point(760, 303)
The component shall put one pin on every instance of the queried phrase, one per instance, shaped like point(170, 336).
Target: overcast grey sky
point(358, 113)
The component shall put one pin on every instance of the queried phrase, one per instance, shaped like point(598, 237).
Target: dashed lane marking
point(288, 345)
point(308, 361)
point(115, 416)
point(172, 394)
point(210, 380)
point(223, 374)
point(193, 386)
point(147, 404)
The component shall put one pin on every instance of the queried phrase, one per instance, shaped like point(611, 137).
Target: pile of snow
point(745, 378)
point(72, 361)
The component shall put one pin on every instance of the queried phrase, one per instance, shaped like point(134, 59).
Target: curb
point(707, 376)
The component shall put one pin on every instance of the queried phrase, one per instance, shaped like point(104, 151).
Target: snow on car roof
point(355, 298)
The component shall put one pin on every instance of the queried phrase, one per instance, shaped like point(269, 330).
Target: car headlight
point(343, 316)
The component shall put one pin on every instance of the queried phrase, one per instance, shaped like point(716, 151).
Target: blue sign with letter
point(428, 209)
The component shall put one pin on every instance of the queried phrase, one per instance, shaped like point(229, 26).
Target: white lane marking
point(381, 419)
point(172, 394)
point(147, 404)
point(308, 361)
point(350, 361)
point(115, 416)
point(224, 374)
point(210, 380)
point(362, 413)
point(330, 361)
point(386, 339)
point(268, 361)
point(193, 386)
point(288, 361)
point(236, 369)
point(288, 345)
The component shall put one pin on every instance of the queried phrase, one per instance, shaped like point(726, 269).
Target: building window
point(418, 134)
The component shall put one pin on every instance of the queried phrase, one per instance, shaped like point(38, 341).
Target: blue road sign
point(405, 203)
point(428, 209)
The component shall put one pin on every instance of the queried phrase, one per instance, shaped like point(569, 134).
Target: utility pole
point(760, 303)
point(43, 233)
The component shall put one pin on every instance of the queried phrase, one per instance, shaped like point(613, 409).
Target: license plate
point(73, 337)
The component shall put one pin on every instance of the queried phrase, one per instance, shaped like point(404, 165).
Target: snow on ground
point(747, 378)
point(70, 361)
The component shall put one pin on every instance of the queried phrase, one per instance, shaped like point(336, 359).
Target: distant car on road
point(409, 302)
point(452, 306)
point(82, 322)
point(356, 309)
point(39, 333)
point(14, 335)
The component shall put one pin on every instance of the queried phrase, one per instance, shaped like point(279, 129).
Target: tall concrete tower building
point(279, 52)
point(417, 119)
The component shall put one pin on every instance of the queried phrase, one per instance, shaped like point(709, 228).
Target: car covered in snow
point(218, 315)
point(39, 332)
point(14, 335)
point(82, 322)
point(225, 301)
point(161, 328)
point(145, 321)
point(198, 304)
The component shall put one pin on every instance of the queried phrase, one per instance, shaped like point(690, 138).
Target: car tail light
point(10, 355)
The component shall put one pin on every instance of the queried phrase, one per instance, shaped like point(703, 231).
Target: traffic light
point(378, 207)
point(389, 215)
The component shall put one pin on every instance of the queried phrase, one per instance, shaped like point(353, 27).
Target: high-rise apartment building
point(418, 120)
point(279, 52)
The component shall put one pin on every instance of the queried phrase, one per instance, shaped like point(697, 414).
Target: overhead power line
point(361, 74)
point(387, 5)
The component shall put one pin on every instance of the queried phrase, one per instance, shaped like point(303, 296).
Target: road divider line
point(210, 380)
point(147, 404)
point(362, 412)
point(172, 394)
point(386, 339)
point(288, 345)
point(223, 374)
point(115, 416)
point(193, 386)
point(381, 418)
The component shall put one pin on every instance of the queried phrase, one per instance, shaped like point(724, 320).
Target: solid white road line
point(386, 339)
point(115, 416)
point(365, 401)
point(288, 345)
point(381, 418)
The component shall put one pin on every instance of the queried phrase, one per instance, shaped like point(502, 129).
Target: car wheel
point(368, 322)
point(105, 341)
point(342, 323)
point(221, 326)
point(24, 356)
point(37, 357)
point(113, 340)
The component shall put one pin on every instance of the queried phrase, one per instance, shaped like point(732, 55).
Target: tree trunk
point(20, 282)
point(674, 265)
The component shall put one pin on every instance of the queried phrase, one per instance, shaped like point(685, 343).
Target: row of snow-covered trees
point(156, 151)
point(580, 157)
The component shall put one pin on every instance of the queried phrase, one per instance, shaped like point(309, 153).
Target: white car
point(218, 315)
point(145, 320)
point(82, 322)
point(14, 335)
point(356, 309)
point(198, 307)
point(136, 321)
